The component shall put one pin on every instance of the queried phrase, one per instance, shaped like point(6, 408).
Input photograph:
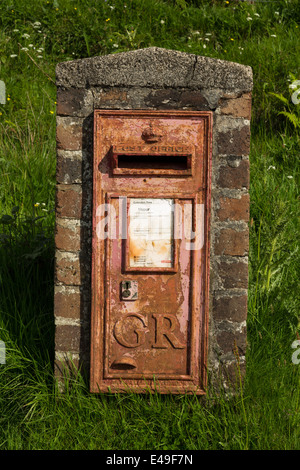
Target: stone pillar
point(153, 79)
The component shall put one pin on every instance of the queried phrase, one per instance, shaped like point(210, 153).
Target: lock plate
point(129, 290)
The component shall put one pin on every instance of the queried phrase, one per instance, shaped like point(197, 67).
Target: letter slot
point(155, 160)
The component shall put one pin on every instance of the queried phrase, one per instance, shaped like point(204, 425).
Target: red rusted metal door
point(150, 251)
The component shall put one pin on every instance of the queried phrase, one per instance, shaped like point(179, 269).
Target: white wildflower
point(13, 55)
point(36, 24)
point(26, 36)
point(207, 34)
point(24, 48)
point(204, 46)
point(290, 177)
point(273, 35)
point(256, 14)
point(271, 167)
point(276, 12)
point(39, 56)
point(249, 18)
point(162, 22)
point(115, 45)
point(15, 30)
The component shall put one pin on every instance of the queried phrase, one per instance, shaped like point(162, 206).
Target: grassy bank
point(34, 37)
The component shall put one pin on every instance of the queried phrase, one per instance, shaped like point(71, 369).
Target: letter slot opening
point(174, 163)
point(155, 162)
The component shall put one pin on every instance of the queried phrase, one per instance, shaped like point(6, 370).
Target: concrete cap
point(154, 67)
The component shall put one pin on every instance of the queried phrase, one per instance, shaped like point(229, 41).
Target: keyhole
point(126, 292)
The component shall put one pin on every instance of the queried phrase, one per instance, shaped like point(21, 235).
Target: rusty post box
point(150, 250)
point(152, 213)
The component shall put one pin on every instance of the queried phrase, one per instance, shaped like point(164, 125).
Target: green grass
point(34, 414)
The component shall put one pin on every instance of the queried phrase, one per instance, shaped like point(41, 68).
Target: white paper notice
point(151, 226)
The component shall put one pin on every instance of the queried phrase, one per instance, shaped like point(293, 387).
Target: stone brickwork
point(154, 79)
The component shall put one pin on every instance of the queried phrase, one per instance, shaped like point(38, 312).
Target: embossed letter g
point(128, 323)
